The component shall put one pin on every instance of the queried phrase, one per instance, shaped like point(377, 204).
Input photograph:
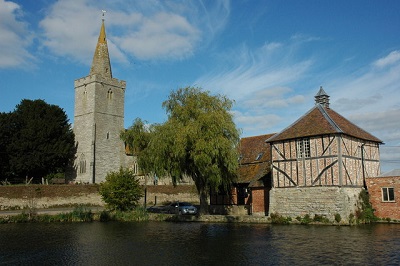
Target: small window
point(259, 156)
point(303, 148)
point(109, 94)
point(82, 164)
point(387, 194)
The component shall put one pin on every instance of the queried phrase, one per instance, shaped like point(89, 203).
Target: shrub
point(306, 219)
point(279, 219)
point(121, 190)
point(338, 218)
point(365, 214)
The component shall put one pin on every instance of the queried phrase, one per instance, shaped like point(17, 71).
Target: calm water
point(160, 243)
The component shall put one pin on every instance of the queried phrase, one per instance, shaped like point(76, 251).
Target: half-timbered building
point(320, 163)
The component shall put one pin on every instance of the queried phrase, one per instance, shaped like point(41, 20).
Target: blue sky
point(270, 57)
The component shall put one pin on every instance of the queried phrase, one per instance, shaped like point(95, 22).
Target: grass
point(79, 214)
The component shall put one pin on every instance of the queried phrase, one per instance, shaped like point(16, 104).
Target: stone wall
point(325, 201)
point(51, 196)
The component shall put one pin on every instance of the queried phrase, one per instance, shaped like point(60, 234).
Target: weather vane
point(103, 11)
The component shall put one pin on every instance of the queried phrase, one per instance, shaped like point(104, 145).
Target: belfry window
point(109, 94)
point(303, 148)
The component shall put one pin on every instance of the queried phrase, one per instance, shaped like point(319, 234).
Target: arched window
point(134, 167)
point(109, 94)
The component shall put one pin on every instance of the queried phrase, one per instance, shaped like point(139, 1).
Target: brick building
point(384, 191)
point(250, 194)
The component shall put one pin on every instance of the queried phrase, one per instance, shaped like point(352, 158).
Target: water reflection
point(160, 243)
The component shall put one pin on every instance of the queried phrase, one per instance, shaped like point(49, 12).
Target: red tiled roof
point(251, 168)
point(322, 121)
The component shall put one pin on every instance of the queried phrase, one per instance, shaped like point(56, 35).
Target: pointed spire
point(322, 98)
point(101, 60)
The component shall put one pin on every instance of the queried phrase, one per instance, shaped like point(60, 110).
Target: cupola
point(322, 98)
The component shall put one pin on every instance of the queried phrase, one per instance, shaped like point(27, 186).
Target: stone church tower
point(99, 118)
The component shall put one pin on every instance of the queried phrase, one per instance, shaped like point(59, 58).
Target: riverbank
point(99, 214)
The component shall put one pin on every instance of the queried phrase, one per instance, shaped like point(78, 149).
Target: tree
point(42, 142)
point(198, 140)
point(5, 135)
point(121, 190)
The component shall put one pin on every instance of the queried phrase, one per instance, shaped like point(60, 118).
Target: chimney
point(322, 98)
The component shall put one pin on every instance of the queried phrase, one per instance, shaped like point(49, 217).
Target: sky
point(269, 56)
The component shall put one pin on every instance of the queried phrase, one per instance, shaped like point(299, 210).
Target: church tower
point(99, 118)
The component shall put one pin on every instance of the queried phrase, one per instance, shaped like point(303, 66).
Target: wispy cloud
point(15, 37)
point(148, 30)
point(388, 60)
point(162, 35)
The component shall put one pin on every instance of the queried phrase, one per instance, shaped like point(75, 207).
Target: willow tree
point(199, 140)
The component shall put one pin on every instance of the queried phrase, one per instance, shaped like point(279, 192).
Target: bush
point(121, 190)
point(320, 219)
point(306, 219)
point(365, 214)
point(276, 218)
point(338, 218)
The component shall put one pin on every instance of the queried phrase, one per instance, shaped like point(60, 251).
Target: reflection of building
point(317, 165)
point(99, 119)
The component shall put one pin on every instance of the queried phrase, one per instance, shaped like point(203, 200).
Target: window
point(109, 94)
point(387, 194)
point(303, 148)
point(259, 156)
point(82, 164)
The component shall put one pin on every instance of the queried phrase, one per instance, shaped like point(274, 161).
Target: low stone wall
point(51, 196)
point(325, 201)
point(93, 199)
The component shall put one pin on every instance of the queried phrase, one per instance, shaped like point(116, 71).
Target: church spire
point(101, 60)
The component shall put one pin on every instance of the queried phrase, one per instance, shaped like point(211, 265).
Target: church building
point(99, 119)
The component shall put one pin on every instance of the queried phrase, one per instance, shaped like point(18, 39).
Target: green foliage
point(276, 218)
point(136, 215)
point(338, 218)
point(79, 214)
point(199, 140)
point(365, 214)
point(352, 218)
point(38, 140)
point(121, 190)
point(320, 219)
point(306, 219)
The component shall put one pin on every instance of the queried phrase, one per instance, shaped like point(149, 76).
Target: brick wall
point(260, 201)
point(384, 209)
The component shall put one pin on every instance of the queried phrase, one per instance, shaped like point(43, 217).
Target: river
point(163, 243)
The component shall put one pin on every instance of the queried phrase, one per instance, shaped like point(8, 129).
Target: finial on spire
point(104, 12)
